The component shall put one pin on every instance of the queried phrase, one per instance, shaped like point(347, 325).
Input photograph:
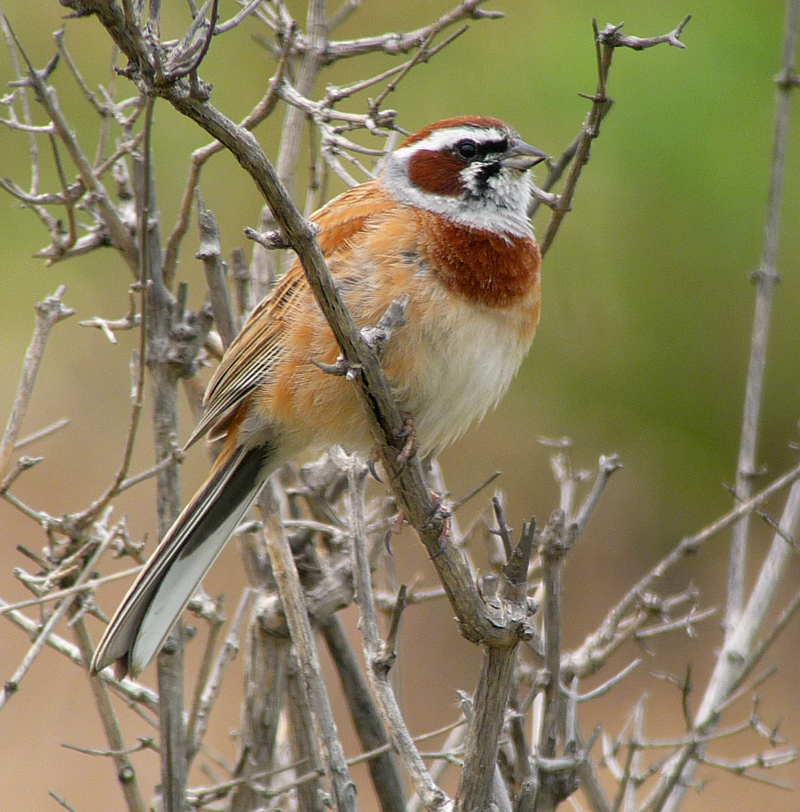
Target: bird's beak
point(523, 156)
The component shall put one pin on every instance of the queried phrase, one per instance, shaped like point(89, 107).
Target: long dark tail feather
point(146, 615)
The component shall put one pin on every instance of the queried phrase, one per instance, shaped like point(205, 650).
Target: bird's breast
point(497, 271)
point(454, 360)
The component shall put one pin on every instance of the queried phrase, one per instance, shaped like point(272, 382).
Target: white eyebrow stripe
point(452, 135)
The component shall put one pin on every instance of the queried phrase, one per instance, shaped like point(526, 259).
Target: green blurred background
point(642, 348)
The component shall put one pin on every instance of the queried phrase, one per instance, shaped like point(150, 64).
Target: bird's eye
point(466, 150)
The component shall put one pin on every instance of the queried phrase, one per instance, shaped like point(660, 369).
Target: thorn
point(410, 447)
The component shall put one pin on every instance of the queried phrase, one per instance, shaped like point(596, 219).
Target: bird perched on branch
point(446, 223)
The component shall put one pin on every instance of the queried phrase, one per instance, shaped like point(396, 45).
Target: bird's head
point(472, 170)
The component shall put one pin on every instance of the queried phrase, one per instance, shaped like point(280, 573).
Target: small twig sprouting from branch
point(454, 506)
point(61, 801)
point(239, 17)
point(111, 326)
point(766, 761)
point(603, 689)
point(64, 593)
point(23, 464)
point(378, 337)
point(271, 240)
point(42, 433)
point(606, 467)
point(611, 37)
point(210, 253)
point(686, 623)
point(423, 54)
point(394, 625)
point(503, 530)
point(117, 229)
point(144, 743)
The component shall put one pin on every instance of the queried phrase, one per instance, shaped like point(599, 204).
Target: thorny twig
point(607, 638)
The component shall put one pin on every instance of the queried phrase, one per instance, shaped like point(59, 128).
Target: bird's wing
point(255, 351)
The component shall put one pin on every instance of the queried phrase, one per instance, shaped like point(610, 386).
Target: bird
point(446, 222)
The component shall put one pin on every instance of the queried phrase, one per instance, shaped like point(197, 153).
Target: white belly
point(464, 367)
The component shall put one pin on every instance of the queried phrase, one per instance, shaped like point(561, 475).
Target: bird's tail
point(169, 579)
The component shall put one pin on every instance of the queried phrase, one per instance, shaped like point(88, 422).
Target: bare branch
point(73, 590)
point(200, 156)
point(738, 648)
point(378, 658)
point(208, 690)
point(765, 278)
point(366, 719)
point(243, 14)
point(49, 312)
point(402, 43)
point(42, 433)
point(126, 775)
point(606, 467)
point(766, 761)
point(477, 781)
point(33, 147)
point(110, 326)
point(291, 593)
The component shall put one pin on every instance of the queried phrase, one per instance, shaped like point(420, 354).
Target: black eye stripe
point(493, 147)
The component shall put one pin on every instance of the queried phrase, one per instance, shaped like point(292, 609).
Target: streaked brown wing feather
point(256, 350)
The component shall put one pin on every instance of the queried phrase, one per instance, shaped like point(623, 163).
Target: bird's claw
point(396, 527)
point(373, 458)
